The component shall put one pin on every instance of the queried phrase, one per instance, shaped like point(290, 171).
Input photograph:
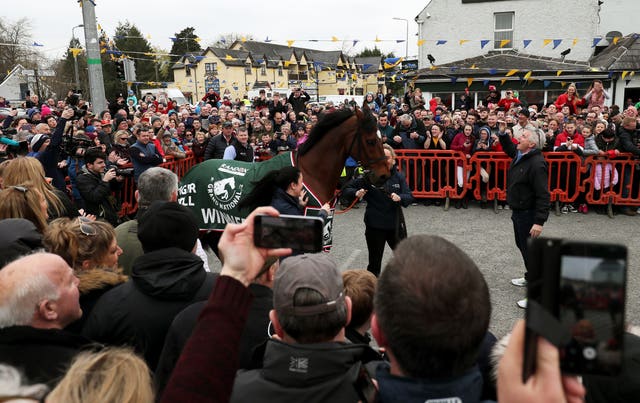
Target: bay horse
point(213, 198)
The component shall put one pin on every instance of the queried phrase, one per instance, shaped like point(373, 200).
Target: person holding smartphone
point(527, 190)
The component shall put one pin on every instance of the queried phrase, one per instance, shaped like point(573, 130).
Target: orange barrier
point(433, 174)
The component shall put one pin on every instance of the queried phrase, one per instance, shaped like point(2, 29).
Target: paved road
point(488, 238)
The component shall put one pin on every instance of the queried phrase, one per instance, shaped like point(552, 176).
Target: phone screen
point(300, 233)
point(591, 301)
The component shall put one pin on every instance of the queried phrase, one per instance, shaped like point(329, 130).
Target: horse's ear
point(359, 113)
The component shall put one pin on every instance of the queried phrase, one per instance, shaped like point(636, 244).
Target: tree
point(375, 52)
point(65, 71)
point(16, 44)
point(225, 41)
point(186, 41)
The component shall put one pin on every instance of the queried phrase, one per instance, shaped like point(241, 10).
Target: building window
point(187, 70)
point(280, 71)
point(211, 68)
point(247, 69)
point(503, 30)
point(263, 69)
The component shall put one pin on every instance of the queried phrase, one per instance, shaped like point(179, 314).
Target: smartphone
point(300, 233)
point(583, 286)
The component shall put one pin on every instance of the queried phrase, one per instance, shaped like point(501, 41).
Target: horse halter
point(369, 162)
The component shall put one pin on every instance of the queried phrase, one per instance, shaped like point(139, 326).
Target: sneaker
point(500, 207)
point(414, 204)
point(506, 207)
point(485, 175)
point(584, 209)
point(572, 208)
point(564, 210)
point(519, 282)
point(522, 303)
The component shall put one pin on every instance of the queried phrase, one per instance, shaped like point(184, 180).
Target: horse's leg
point(211, 239)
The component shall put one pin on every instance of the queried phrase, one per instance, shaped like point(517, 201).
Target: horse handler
point(383, 217)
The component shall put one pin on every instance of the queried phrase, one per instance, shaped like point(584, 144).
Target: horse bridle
point(368, 163)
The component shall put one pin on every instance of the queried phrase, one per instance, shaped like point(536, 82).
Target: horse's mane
point(327, 122)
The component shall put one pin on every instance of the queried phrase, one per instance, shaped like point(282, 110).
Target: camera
point(126, 172)
point(76, 146)
point(576, 297)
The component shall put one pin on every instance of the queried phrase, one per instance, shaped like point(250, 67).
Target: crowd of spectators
point(294, 327)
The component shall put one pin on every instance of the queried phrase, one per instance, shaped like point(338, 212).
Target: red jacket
point(563, 100)
point(562, 138)
point(506, 103)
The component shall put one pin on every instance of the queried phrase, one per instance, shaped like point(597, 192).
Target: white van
point(159, 93)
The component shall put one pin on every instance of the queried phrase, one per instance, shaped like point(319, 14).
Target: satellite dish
point(612, 34)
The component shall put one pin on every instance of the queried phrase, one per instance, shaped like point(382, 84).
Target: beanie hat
point(32, 112)
point(166, 225)
point(37, 141)
point(153, 119)
point(119, 120)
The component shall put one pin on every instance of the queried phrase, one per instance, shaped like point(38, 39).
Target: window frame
point(496, 31)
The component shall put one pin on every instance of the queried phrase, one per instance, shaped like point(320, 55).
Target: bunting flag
point(504, 80)
point(393, 78)
point(473, 67)
point(228, 57)
point(484, 43)
point(624, 74)
point(148, 36)
point(243, 39)
point(504, 42)
point(546, 83)
point(223, 40)
point(633, 73)
point(469, 81)
point(433, 67)
point(526, 42)
point(556, 43)
point(334, 39)
point(391, 62)
point(595, 42)
point(485, 82)
point(512, 72)
point(562, 84)
point(558, 73)
point(615, 40)
point(290, 42)
point(399, 40)
point(528, 75)
point(37, 44)
point(441, 42)
point(575, 42)
point(454, 80)
point(377, 39)
point(355, 42)
point(287, 63)
point(197, 39)
point(545, 42)
point(421, 42)
point(354, 77)
point(267, 40)
point(173, 39)
point(493, 71)
point(463, 41)
point(75, 51)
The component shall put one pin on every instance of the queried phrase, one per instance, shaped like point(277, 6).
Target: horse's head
point(367, 147)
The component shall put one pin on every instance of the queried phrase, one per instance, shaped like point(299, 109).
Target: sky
point(52, 21)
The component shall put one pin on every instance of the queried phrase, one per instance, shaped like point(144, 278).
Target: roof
point(370, 65)
point(495, 61)
point(623, 55)
point(274, 51)
point(231, 57)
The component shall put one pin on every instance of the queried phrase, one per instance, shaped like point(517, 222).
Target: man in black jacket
point(527, 190)
point(164, 281)
point(298, 100)
point(96, 186)
point(219, 143)
point(629, 143)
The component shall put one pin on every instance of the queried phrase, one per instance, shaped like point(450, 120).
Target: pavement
point(487, 237)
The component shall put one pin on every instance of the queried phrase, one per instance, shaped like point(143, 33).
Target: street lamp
point(406, 42)
point(75, 57)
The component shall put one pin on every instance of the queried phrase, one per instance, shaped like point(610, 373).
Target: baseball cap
point(315, 271)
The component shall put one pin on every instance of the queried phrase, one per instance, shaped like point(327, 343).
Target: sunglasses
point(86, 226)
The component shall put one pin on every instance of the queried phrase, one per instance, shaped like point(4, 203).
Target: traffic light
point(120, 70)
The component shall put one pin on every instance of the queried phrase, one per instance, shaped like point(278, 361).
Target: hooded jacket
point(139, 312)
point(323, 372)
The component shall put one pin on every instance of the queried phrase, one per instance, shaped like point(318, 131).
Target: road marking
point(352, 257)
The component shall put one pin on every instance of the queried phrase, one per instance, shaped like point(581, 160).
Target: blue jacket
point(381, 212)
point(150, 158)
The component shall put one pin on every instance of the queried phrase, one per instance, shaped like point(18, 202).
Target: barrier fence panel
point(612, 181)
point(434, 173)
point(565, 172)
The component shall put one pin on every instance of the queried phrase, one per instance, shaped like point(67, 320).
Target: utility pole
point(96, 81)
